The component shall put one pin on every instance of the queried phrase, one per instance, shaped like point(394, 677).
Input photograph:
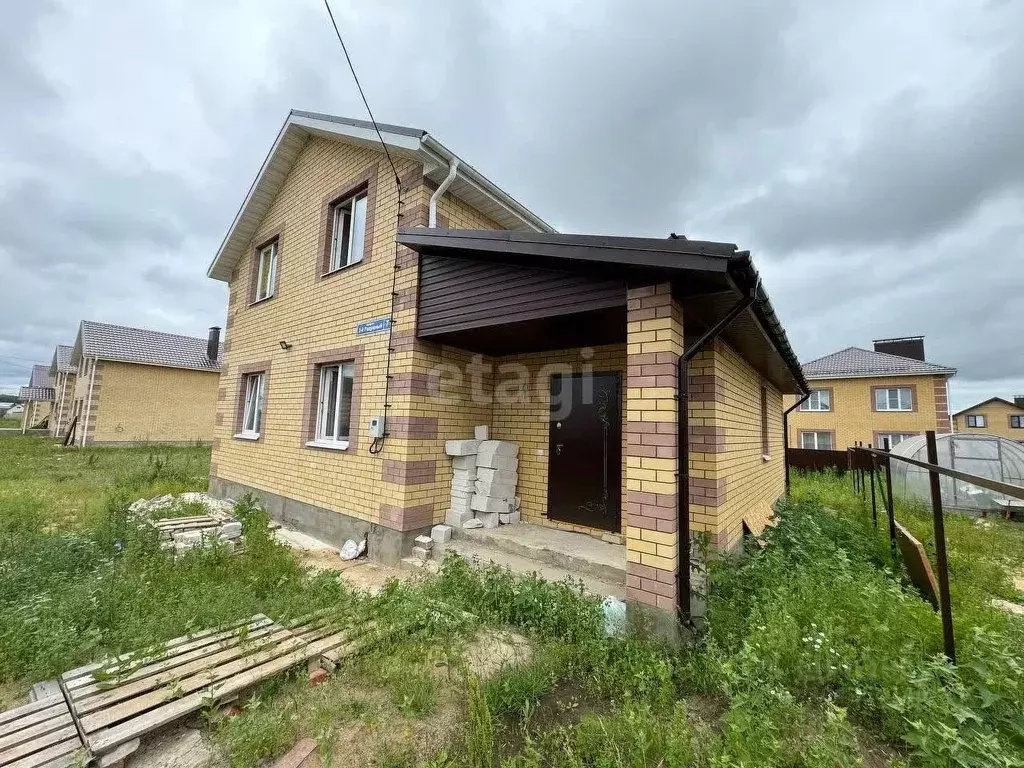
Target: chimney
point(213, 344)
point(907, 346)
point(1018, 400)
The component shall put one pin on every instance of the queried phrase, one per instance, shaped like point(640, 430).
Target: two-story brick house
point(436, 299)
point(995, 416)
point(876, 397)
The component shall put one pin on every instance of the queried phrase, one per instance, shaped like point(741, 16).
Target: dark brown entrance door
point(585, 450)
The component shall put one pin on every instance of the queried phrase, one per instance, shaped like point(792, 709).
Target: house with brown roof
point(995, 416)
point(37, 399)
point(136, 386)
point(375, 314)
point(877, 397)
point(62, 372)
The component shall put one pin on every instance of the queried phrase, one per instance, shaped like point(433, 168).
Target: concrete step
point(477, 551)
point(577, 553)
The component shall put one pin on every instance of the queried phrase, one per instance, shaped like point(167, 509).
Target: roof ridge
point(144, 330)
point(830, 354)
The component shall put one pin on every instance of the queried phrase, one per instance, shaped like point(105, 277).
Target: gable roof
point(40, 385)
point(986, 402)
point(62, 359)
point(469, 185)
point(854, 363)
point(138, 345)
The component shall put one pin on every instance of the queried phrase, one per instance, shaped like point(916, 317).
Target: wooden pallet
point(40, 734)
point(117, 702)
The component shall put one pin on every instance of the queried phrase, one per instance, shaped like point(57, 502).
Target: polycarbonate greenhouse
point(984, 455)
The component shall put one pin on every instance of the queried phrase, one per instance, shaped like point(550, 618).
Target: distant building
point(37, 398)
point(63, 374)
point(994, 416)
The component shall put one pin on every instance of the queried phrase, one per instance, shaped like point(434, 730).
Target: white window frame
point(265, 290)
point(883, 437)
point(899, 399)
point(253, 410)
point(980, 422)
point(327, 435)
point(816, 439)
point(353, 254)
point(813, 403)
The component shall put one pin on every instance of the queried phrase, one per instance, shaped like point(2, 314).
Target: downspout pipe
point(785, 432)
point(683, 582)
point(453, 169)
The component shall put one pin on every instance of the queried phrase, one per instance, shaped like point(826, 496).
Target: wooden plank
point(181, 520)
point(56, 709)
point(171, 666)
point(83, 675)
point(57, 756)
point(138, 687)
point(33, 731)
point(297, 755)
point(105, 740)
point(38, 744)
point(26, 709)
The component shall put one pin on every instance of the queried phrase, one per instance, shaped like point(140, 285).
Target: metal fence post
point(874, 507)
point(891, 504)
point(940, 549)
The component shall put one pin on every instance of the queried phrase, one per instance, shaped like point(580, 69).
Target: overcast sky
point(869, 153)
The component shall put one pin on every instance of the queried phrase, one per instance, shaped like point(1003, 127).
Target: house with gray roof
point(134, 385)
point(62, 372)
point(877, 397)
point(37, 398)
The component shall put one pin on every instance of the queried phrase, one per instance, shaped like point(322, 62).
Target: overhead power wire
point(377, 445)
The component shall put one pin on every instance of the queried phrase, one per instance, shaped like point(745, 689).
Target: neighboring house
point(495, 319)
point(37, 398)
point(63, 374)
point(11, 409)
point(994, 416)
point(138, 386)
point(876, 397)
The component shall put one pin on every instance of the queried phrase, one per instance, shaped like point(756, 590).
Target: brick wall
point(853, 417)
point(152, 404)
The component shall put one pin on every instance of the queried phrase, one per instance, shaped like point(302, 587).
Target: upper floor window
point(252, 413)
point(820, 400)
point(334, 409)
point(976, 421)
point(266, 271)
point(821, 441)
point(894, 399)
point(885, 441)
point(1017, 422)
point(348, 231)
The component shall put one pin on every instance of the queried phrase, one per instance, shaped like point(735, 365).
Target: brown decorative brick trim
point(913, 396)
point(831, 400)
point(244, 370)
point(413, 427)
point(415, 383)
point(218, 419)
point(408, 472)
point(800, 439)
point(416, 215)
point(222, 394)
point(275, 235)
point(366, 181)
point(406, 518)
point(442, 221)
point(706, 388)
point(707, 492)
point(707, 439)
point(653, 511)
point(409, 181)
point(213, 469)
point(215, 444)
point(309, 401)
point(406, 299)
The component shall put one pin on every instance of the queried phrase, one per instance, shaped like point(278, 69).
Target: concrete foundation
point(383, 545)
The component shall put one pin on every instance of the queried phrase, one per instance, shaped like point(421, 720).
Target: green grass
point(10, 422)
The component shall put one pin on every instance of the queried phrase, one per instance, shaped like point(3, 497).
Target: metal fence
point(870, 468)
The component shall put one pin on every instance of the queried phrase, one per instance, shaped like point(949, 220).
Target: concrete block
point(455, 518)
point(441, 533)
point(424, 541)
point(187, 540)
point(460, 503)
point(464, 462)
point(495, 490)
point(504, 476)
point(473, 523)
point(489, 519)
point(463, 485)
point(488, 505)
point(497, 448)
point(464, 474)
point(230, 530)
point(421, 554)
point(461, 447)
point(483, 432)
point(505, 463)
point(510, 518)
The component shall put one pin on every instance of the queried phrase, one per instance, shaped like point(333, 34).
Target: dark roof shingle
point(138, 345)
point(62, 359)
point(854, 362)
point(40, 385)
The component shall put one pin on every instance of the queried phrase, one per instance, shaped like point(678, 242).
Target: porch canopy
point(500, 292)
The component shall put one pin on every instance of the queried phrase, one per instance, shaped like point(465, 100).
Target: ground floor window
point(252, 415)
point(1017, 422)
point(888, 440)
point(334, 408)
point(820, 441)
point(976, 421)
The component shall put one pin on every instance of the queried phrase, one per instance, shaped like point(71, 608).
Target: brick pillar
point(654, 342)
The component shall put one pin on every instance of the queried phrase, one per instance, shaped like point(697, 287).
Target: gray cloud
point(867, 152)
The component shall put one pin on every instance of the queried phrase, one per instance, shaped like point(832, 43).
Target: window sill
point(337, 270)
point(340, 445)
point(264, 300)
point(250, 436)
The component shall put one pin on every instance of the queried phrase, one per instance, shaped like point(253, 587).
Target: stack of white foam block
point(494, 497)
point(463, 453)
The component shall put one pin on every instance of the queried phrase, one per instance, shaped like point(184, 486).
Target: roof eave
point(877, 375)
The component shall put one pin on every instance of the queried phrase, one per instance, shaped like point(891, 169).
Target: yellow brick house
point(37, 399)
point(994, 416)
point(877, 397)
point(136, 386)
point(427, 298)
